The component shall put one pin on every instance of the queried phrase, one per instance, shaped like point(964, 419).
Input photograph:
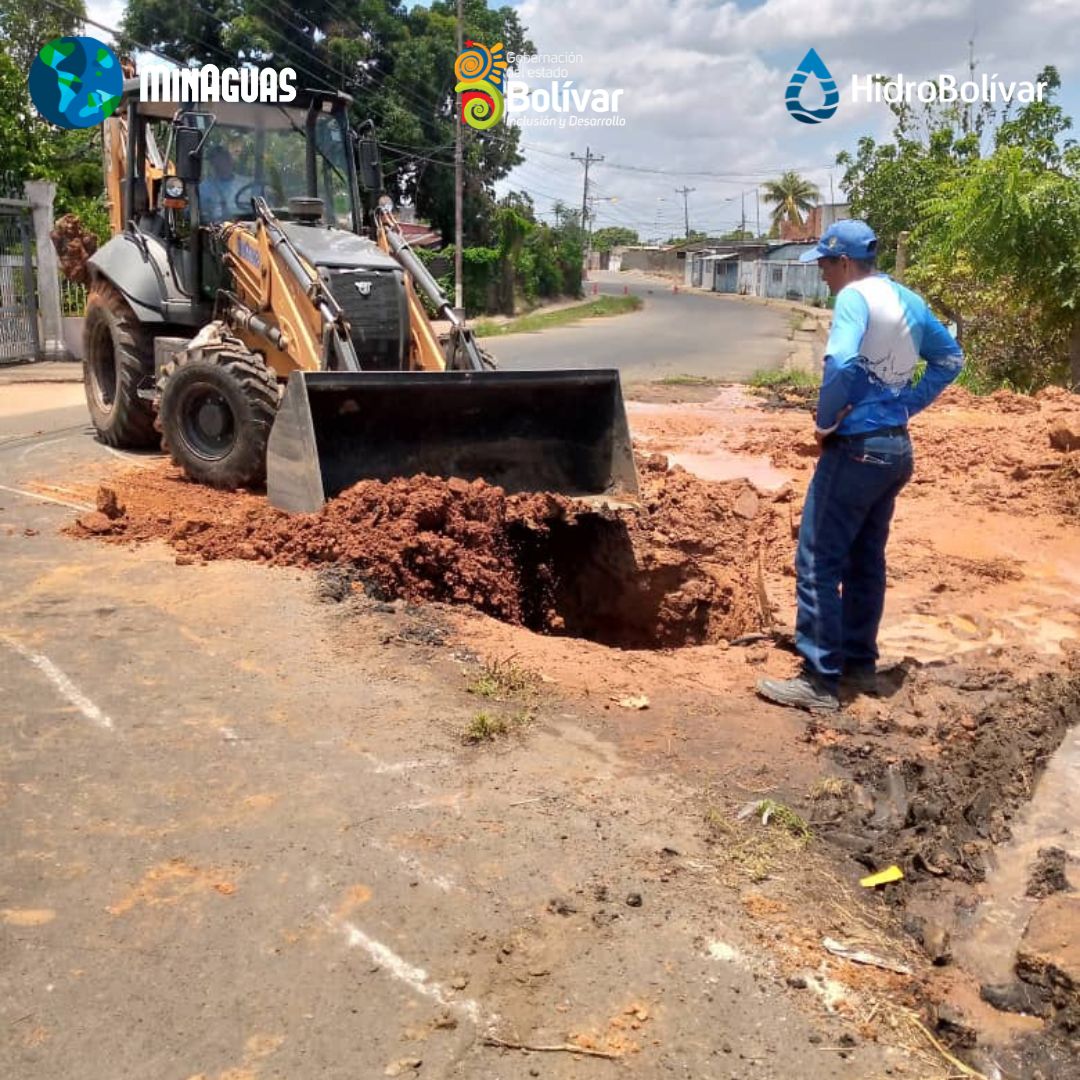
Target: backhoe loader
point(259, 310)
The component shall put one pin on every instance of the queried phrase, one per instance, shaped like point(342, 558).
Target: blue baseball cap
point(852, 238)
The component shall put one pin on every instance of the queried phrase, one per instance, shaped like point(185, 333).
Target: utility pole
point(968, 122)
point(742, 224)
point(685, 193)
point(587, 160)
point(459, 181)
point(757, 204)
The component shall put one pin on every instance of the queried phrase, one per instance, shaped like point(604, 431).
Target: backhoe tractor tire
point(216, 410)
point(117, 360)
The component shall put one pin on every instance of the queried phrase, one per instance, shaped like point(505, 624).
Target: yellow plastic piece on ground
point(883, 877)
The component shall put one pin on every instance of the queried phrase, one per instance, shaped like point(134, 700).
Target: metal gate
point(18, 298)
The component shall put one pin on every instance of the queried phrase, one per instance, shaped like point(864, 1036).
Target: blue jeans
point(840, 562)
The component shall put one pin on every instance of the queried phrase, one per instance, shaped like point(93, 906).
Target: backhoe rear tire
point(117, 360)
point(216, 410)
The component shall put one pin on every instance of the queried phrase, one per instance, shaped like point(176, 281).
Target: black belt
point(900, 430)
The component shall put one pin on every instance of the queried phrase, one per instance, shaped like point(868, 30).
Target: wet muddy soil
point(683, 604)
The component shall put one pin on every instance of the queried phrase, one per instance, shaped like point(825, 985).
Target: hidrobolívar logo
point(480, 72)
point(76, 82)
point(876, 88)
point(811, 64)
point(945, 88)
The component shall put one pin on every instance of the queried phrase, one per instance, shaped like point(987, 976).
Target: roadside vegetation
point(986, 204)
point(601, 307)
point(488, 727)
point(784, 379)
point(511, 693)
point(504, 680)
point(689, 380)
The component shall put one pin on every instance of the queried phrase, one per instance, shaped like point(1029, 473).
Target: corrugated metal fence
point(779, 279)
point(788, 280)
point(18, 298)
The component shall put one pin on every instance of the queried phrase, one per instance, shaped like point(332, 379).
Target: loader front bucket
point(558, 431)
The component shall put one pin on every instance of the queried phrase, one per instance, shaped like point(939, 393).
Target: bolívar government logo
point(481, 73)
point(811, 65)
point(76, 82)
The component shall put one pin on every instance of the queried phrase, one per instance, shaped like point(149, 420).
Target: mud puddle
point(1022, 872)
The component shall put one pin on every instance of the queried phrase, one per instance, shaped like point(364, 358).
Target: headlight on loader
point(173, 192)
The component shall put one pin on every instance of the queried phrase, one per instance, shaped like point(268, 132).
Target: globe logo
point(76, 82)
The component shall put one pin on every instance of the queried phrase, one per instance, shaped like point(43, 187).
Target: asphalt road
point(673, 334)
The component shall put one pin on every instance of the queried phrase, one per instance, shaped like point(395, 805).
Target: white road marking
point(416, 867)
point(415, 977)
point(63, 684)
point(440, 801)
point(382, 767)
point(46, 498)
point(131, 459)
point(43, 445)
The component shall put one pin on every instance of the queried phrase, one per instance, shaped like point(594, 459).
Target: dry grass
point(504, 680)
point(830, 787)
point(749, 851)
point(487, 727)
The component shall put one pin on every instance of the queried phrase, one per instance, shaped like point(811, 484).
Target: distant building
point(752, 268)
point(817, 221)
point(418, 233)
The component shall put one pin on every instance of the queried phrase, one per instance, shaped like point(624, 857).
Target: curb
point(42, 371)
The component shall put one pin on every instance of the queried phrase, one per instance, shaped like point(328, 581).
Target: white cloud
point(106, 12)
point(705, 88)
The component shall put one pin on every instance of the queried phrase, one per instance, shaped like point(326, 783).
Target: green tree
point(611, 236)
point(22, 133)
point(790, 196)
point(396, 61)
point(995, 239)
point(888, 184)
point(30, 147)
point(1016, 222)
point(25, 26)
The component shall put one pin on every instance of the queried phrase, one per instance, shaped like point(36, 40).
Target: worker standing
point(879, 331)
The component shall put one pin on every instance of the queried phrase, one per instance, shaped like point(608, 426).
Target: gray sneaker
point(806, 691)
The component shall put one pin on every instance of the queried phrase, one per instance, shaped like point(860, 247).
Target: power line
point(112, 30)
point(685, 193)
point(587, 160)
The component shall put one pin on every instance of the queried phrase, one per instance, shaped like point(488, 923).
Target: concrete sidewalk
point(44, 371)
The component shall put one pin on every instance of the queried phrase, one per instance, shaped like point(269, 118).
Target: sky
point(704, 86)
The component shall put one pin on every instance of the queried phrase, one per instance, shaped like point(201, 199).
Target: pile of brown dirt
point(1003, 451)
point(681, 570)
point(74, 245)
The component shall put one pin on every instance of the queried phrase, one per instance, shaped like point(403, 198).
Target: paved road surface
point(674, 334)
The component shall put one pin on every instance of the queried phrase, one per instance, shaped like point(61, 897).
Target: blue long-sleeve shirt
point(879, 331)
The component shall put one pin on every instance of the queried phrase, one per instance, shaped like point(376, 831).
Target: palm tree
point(790, 197)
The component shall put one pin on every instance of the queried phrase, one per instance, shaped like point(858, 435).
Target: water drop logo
point(812, 64)
point(481, 72)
